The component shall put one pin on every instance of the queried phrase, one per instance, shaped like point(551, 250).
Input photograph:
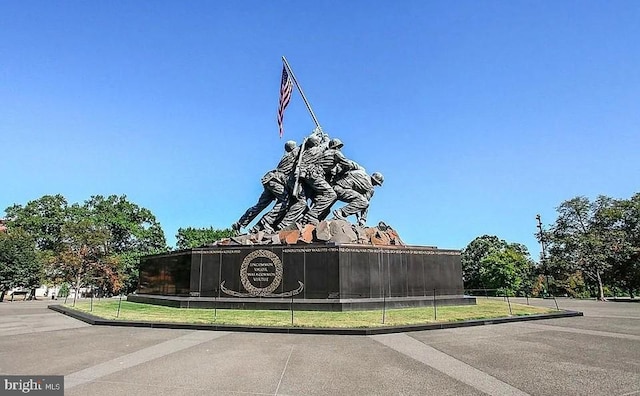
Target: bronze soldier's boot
point(338, 215)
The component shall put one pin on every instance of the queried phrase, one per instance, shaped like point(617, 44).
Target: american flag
point(286, 86)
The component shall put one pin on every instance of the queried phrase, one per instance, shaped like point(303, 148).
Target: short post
point(384, 288)
point(291, 311)
point(215, 308)
point(435, 306)
point(384, 305)
point(508, 302)
point(119, 304)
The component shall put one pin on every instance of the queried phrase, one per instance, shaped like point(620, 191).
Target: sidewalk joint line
point(283, 370)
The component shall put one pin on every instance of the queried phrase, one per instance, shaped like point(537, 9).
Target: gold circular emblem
point(261, 272)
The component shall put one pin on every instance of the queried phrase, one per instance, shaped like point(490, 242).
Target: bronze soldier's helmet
point(313, 140)
point(289, 146)
point(335, 143)
point(377, 178)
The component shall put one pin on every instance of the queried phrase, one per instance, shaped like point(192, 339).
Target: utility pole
point(543, 253)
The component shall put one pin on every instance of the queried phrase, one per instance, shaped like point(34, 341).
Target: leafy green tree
point(574, 285)
point(133, 232)
point(190, 237)
point(489, 262)
point(124, 230)
point(83, 257)
point(472, 256)
point(42, 219)
point(583, 238)
point(19, 264)
point(131, 228)
point(506, 269)
point(625, 249)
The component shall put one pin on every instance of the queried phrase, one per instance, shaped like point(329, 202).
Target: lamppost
point(543, 254)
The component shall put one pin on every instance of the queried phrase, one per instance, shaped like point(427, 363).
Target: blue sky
point(480, 114)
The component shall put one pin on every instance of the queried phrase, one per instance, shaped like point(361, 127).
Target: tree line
point(97, 243)
point(592, 249)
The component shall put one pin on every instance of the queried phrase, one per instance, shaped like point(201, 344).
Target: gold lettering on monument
point(261, 275)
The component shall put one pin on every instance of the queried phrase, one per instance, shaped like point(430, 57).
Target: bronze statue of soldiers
point(275, 188)
point(317, 171)
point(356, 189)
point(316, 175)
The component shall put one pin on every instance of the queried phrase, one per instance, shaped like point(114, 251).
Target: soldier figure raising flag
point(310, 178)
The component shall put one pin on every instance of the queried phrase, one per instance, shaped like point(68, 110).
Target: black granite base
point(307, 277)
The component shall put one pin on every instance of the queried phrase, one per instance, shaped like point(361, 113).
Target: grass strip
point(485, 309)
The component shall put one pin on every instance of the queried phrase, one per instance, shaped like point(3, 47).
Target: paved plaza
point(598, 354)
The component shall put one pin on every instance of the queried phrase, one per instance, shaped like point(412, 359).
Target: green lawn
point(485, 309)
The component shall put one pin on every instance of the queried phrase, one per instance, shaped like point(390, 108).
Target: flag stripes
point(286, 87)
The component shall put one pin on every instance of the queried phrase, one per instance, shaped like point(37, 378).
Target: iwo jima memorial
point(302, 254)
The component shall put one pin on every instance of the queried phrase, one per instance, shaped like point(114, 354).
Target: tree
point(19, 264)
point(506, 269)
point(124, 230)
point(625, 254)
point(489, 262)
point(133, 232)
point(131, 228)
point(583, 238)
point(83, 257)
point(472, 256)
point(190, 237)
point(42, 219)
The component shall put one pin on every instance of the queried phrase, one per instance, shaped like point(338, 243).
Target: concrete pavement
point(598, 354)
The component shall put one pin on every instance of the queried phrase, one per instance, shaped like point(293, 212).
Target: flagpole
point(306, 102)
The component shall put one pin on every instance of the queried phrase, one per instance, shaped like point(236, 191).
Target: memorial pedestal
point(303, 277)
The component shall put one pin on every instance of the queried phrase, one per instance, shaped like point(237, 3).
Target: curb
point(97, 321)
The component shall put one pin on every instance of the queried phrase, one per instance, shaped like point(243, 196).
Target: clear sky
point(480, 114)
